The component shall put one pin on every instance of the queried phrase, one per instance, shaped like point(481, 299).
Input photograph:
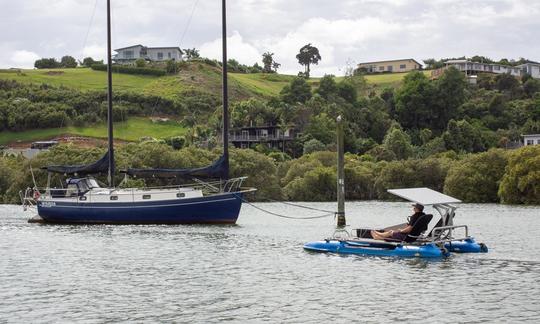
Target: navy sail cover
point(100, 166)
point(218, 169)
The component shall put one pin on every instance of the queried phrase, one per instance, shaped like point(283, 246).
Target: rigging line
point(280, 215)
point(300, 206)
point(89, 27)
point(189, 21)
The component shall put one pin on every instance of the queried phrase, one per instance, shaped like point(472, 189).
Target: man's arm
point(406, 230)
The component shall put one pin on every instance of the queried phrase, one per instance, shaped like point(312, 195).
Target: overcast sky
point(345, 31)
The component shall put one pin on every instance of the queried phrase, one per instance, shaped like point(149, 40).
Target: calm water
point(257, 271)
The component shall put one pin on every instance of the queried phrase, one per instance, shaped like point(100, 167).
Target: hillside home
point(531, 68)
point(475, 67)
point(391, 66)
point(273, 136)
point(156, 54)
point(531, 139)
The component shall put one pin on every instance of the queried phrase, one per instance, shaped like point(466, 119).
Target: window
point(402, 66)
point(160, 56)
point(169, 54)
point(389, 68)
point(146, 196)
point(180, 195)
point(530, 142)
point(114, 198)
point(381, 68)
point(496, 68)
point(128, 54)
point(83, 198)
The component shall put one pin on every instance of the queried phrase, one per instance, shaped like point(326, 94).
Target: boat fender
point(483, 247)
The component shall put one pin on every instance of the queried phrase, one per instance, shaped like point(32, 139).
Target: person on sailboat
point(401, 234)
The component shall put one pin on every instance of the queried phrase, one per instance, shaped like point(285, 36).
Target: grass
point(131, 130)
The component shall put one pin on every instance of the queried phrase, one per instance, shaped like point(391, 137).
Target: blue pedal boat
point(438, 241)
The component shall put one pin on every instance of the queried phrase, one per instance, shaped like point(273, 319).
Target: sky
point(346, 32)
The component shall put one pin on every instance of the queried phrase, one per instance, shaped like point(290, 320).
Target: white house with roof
point(531, 139)
point(531, 68)
point(470, 67)
point(156, 54)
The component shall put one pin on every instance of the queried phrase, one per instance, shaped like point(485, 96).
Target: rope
point(284, 216)
point(301, 206)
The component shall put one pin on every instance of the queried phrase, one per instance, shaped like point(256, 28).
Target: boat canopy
point(424, 196)
point(100, 166)
point(218, 169)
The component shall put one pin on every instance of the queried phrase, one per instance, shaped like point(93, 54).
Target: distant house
point(473, 68)
point(531, 68)
point(273, 136)
point(156, 54)
point(403, 65)
point(531, 139)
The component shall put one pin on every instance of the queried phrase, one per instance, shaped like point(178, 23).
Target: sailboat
point(84, 201)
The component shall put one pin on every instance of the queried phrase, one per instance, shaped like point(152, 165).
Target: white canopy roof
point(424, 196)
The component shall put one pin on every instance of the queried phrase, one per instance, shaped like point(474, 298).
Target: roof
point(531, 135)
point(166, 47)
point(424, 196)
point(382, 61)
point(530, 63)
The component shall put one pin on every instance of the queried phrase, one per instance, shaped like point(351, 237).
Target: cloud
point(237, 49)
point(24, 59)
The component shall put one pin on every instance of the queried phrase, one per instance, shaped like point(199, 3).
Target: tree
point(171, 67)
point(521, 182)
point(461, 136)
point(47, 63)
point(327, 87)
point(308, 55)
point(476, 178)
point(313, 145)
point(68, 62)
point(88, 62)
point(191, 53)
point(450, 95)
point(298, 90)
point(398, 142)
point(531, 87)
point(140, 63)
point(275, 66)
point(414, 101)
point(268, 62)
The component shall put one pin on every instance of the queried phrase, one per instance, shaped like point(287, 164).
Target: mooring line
point(285, 216)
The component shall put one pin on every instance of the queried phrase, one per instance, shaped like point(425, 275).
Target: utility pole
point(340, 175)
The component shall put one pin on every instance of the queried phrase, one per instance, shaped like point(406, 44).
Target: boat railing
point(75, 195)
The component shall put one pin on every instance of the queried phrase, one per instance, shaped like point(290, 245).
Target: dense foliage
point(483, 177)
point(132, 69)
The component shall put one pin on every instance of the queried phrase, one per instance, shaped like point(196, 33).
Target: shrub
point(129, 70)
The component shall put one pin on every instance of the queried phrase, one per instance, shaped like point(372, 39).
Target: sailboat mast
point(110, 176)
point(225, 89)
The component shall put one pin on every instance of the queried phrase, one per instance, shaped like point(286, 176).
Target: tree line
point(508, 176)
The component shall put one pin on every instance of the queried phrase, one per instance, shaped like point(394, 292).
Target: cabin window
point(402, 66)
point(180, 195)
point(530, 142)
point(146, 196)
point(83, 198)
point(390, 68)
point(114, 198)
point(160, 56)
point(381, 68)
point(169, 54)
point(496, 67)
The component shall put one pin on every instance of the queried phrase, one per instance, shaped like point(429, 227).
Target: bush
point(47, 63)
point(521, 181)
point(129, 70)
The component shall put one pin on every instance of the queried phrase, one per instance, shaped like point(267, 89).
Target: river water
point(257, 271)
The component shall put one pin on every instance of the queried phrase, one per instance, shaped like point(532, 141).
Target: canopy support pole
point(340, 175)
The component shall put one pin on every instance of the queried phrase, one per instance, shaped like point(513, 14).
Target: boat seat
point(419, 227)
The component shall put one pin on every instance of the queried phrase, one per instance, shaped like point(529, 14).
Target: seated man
point(401, 234)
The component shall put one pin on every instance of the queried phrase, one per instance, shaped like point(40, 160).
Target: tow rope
point(328, 213)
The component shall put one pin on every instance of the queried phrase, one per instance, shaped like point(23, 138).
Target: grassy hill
point(196, 76)
point(131, 130)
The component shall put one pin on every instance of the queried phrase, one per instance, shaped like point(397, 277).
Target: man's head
point(418, 207)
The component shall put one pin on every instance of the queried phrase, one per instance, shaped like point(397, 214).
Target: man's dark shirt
point(414, 218)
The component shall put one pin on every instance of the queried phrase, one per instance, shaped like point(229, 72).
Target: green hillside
point(196, 76)
point(131, 130)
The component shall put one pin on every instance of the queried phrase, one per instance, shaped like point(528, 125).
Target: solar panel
point(424, 196)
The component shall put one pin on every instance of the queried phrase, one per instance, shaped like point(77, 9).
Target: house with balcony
point(155, 54)
point(391, 66)
point(531, 139)
point(275, 137)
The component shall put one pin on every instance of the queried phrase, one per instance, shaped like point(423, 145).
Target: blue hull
point(372, 248)
point(217, 209)
point(466, 246)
